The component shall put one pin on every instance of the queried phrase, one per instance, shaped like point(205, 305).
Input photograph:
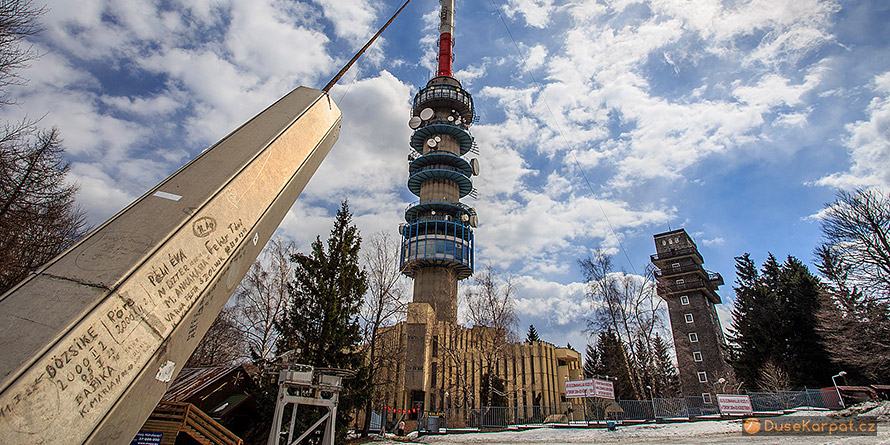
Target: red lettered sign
point(736, 405)
point(589, 388)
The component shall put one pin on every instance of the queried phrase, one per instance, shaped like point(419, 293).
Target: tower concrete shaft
point(437, 238)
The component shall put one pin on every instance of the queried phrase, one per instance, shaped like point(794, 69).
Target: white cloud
point(352, 20)
point(868, 144)
point(535, 12)
point(718, 241)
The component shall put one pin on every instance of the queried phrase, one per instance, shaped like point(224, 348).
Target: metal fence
point(593, 411)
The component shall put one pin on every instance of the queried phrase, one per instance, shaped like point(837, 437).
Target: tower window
point(688, 318)
point(693, 337)
point(696, 355)
point(702, 377)
point(684, 300)
point(706, 397)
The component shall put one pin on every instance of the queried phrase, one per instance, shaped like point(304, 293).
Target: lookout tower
point(691, 293)
point(437, 237)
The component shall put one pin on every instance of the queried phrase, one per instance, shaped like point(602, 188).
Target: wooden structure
point(175, 418)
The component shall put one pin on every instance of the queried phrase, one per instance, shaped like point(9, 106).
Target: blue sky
point(734, 119)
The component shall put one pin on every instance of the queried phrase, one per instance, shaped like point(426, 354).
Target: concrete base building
point(691, 293)
point(440, 366)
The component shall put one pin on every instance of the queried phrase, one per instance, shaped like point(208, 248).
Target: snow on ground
point(703, 432)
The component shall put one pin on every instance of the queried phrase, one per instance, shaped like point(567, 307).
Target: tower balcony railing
point(458, 207)
point(446, 92)
point(439, 158)
point(687, 285)
point(458, 176)
point(674, 253)
point(453, 249)
point(669, 271)
point(434, 127)
point(463, 125)
point(438, 228)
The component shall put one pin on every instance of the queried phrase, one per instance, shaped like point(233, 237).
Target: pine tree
point(611, 353)
point(591, 362)
point(532, 334)
point(321, 320)
point(774, 322)
point(666, 380)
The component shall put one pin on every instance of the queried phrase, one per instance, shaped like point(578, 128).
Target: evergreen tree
point(591, 362)
point(611, 352)
point(774, 322)
point(532, 334)
point(666, 381)
point(321, 319)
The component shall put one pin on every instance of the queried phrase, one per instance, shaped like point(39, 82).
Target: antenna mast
point(446, 38)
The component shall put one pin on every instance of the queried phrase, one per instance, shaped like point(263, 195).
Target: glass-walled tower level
point(437, 237)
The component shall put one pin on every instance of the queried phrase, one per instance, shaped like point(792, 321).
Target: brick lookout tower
point(437, 238)
point(691, 293)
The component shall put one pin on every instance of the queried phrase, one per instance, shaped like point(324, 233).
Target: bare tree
point(773, 378)
point(856, 230)
point(221, 346)
point(38, 218)
point(490, 306)
point(261, 298)
point(18, 20)
point(384, 305)
point(854, 320)
point(628, 306)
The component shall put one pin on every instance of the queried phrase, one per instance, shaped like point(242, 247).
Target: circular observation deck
point(443, 158)
point(437, 242)
point(445, 96)
point(435, 127)
point(440, 171)
point(454, 209)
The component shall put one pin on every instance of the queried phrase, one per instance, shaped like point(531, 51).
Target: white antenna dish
point(464, 217)
point(431, 143)
point(414, 122)
point(426, 113)
point(450, 118)
point(401, 229)
point(474, 163)
point(474, 221)
point(432, 212)
point(438, 139)
point(453, 111)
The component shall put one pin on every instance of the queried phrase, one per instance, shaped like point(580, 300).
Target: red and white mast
point(446, 38)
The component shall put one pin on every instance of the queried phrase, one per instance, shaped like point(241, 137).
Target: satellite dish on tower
point(431, 143)
point(474, 163)
point(414, 122)
point(426, 113)
point(474, 220)
point(438, 139)
point(402, 228)
point(450, 118)
point(464, 217)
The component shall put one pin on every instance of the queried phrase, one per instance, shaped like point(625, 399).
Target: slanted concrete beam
point(90, 343)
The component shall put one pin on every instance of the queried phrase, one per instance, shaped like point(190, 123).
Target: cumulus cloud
point(868, 144)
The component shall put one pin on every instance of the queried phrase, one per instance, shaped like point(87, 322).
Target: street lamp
point(840, 374)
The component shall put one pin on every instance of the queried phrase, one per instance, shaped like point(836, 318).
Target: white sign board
point(589, 388)
point(732, 404)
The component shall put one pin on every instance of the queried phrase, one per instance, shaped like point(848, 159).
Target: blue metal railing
point(438, 92)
